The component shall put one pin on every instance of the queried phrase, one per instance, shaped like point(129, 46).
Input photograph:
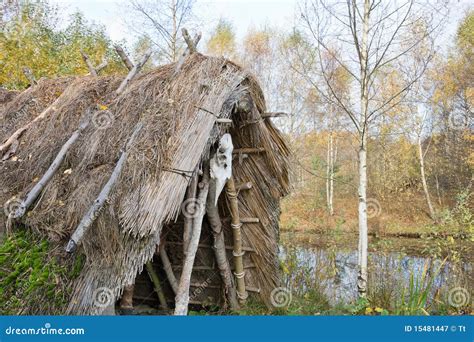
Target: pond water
point(334, 272)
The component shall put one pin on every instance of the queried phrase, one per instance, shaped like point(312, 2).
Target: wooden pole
point(168, 268)
point(123, 56)
point(157, 285)
point(135, 70)
point(34, 193)
point(188, 221)
point(182, 297)
point(94, 210)
point(219, 246)
point(88, 62)
point(237, 236)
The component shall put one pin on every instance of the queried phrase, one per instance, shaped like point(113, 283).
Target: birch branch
point(34, 193)
point(168, 269)
point(88, 62)
point(187, 52)
point(29, 75)
point(94, 210)
point(131, 75)
point(123, 56)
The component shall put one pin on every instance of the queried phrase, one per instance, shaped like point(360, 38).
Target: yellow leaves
point(102, 107)
point(450, 239)
point(368, 311)
point(378, 310)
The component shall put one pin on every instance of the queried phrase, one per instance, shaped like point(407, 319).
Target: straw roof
point(178, 111)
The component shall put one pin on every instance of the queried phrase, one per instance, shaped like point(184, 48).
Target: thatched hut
point(116, 174)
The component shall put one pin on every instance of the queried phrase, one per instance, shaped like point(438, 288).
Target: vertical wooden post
point(237, 236)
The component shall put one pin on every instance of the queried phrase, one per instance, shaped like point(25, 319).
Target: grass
point(32, 281)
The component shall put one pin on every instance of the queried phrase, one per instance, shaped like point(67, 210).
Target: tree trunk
point(362, 158)
point(423, 180)
point(328, 172)
point(182, 297)
point(219, 246)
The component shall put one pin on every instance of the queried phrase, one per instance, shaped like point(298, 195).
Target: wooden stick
point(219, 246)
point(273, 115)
point(157, 285)
point(237, 237)
point(244, 186)
point(186, 52)
point(101, 66)
point(189, 42)
point(188, 221)
point(88, 62)
point(93, 211)
point(203, 245)
point(131, 75)
point(249, 220)
point(29, 75)
point(249, 150)
point(168, 268)
point(128, 63)
point(34, 193)
point(16, 135)
point(182, 297)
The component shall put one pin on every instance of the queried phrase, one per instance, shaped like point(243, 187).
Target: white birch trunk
point(362, 156)
point(423, 180)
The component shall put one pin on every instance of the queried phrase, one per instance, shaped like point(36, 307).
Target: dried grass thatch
point(178, 112)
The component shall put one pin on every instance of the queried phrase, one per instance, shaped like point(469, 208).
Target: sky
point(243, 14)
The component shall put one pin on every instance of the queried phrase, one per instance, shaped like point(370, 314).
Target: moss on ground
point(32, 278)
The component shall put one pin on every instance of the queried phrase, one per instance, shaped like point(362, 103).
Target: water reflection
point(335, 272)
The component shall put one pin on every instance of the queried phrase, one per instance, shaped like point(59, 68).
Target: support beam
point(123, 56)
point(237, 237)
point(247, 150)
point(94, 210)
point(203, 245)
point(168, 268)
point(273, 115)
point(131, 75)
point(157, 285)
point(34, 193)
point(191, 193)
point(182, 297)
point(249, 220)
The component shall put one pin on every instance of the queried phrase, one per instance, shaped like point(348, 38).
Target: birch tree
point(373, 36)
point(161, 22)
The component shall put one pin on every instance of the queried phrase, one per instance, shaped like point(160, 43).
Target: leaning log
point(219, 247)
point(123, 56)
point(17, 134)
point(87, 60)
point(182, 297)
point(93, 211)
point(131, 75)
point(168, 268)
point(157, 285)
point(188, 221)
point(34, 193)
